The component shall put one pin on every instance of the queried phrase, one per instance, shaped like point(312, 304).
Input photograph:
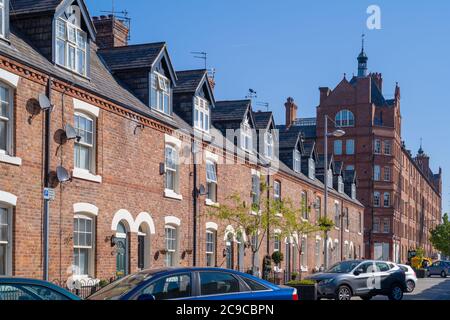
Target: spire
point(362, 60)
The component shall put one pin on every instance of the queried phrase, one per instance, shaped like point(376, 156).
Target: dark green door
point(121, 251)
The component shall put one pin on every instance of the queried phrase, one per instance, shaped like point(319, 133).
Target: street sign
point(49, 194)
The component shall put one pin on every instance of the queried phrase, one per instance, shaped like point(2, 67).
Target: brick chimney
point(324, 93)
point(291, 112)
point(111, 32)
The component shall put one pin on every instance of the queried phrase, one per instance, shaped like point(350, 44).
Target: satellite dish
point(202, 190)
point(71, 133)
point(44, 102)
point(62, 174)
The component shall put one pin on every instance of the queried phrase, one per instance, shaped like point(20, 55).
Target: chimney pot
point(291, 112)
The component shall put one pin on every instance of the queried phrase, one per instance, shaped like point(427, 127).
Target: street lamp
point(337, 134)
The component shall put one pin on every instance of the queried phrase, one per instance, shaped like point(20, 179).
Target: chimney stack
point(324, 93)
point(111, 32)
point(291, 112)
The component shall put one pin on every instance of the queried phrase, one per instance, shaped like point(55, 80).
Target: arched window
point(376, 199)
point(83, 245)
point(345, 118)
point(6, 120)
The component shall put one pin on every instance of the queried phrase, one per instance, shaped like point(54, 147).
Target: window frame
point(157, 89)
point(93, 147)
point(173, 253)
point(304, 204)
point(74, 44)
point(9, 120)
point(338, 147)
point(211, 182)
point(211, 254)
point(9, 239)
point(277, 190)
point(387, 147)
point(387, 200)
point(387, 176)
point(175, 172)
point(297, 161)
point(246, 136)
point(91, 249)
point(268, 144)
point(377, 146)
point(377, 173)
point(345, 119)
point(350, 145)
point(311, 168)
point(202, 111)
point(377, 195)
point(304, 253)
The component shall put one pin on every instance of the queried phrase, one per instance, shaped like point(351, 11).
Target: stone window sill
point(10, 160)
point(172, 194)
point(211, 203)
point(86, 175)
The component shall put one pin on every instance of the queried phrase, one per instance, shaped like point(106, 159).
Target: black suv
point(363, 278)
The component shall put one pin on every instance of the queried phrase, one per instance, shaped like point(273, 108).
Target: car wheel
point(366, 298)
point(344, 293)
point(443, 274)
point(411, 286)
point(396, 293)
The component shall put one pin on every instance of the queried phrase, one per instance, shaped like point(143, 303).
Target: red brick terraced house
point(401, 194)
point(135, 198)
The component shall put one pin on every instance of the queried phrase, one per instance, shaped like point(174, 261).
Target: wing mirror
point(357, 272)
point(146, 297)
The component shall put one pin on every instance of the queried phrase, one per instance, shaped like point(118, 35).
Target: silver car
point(439, 268)
point(411, 278)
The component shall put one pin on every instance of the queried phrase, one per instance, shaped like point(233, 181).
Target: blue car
point(193, 284)
point(18, 289)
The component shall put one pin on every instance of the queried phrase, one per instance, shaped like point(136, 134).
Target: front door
point(364, 281)
point(121, 251)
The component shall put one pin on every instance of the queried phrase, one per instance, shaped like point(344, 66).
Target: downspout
point(47, 183)
point(195, 204)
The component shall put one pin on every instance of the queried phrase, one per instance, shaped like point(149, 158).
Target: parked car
point(193, 284)
point(411, 277)
point(19, 289)
point(362, 278)
point(440, 268)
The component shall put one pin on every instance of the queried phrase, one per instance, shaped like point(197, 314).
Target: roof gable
point(233, 110)
point(192, 81)
point(264, 120)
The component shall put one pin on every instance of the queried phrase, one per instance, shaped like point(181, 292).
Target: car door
point(171, 287)
point(27, 292)
point(382, 273)
point(363, 279)
point(214, 285)
point(435, 268)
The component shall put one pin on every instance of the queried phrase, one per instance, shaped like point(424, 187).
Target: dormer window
point(311, 168)
point(353, 191)
point(297, 161)
point(268, 145)
point(340, 185)
point(71, 42)
point(246, 136)
point(160, 93)
point(3, 15)
point(201, 114)
point(330, 179)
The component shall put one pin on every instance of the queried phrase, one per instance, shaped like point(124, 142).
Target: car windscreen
point(120, 287)
point(343, 267)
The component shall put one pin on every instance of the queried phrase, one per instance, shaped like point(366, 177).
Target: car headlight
point(326, 281)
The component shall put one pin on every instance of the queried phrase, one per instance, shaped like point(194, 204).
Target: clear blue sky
point(291, 48)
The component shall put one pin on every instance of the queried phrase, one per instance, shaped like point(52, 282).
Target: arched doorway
point(143, 248)
point(122, 250)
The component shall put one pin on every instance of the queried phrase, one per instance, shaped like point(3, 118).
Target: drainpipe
point(195, 194)
point(47, 183)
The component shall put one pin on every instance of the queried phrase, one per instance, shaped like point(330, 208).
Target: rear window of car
point(119, 288)
point(254, 285)
point(405, 269)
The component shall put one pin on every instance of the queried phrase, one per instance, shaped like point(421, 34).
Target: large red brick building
point(135, 198)
point(401, 194)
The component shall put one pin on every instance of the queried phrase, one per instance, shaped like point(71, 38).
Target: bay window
point(387, 148)
point(201, 114)
point(171, 245)
point(377, 146)
point(85, 148)
point(160, 93)
point(387, 199)
point(172, 169)
point(6, 120)
point(387, 174)
point(71, 46)
point(83, 246)
point(211, 179)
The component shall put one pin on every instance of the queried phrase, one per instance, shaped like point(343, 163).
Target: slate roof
point(262, 119)
point(321, 161)
point(33, 6)
point(309, 147)
point(132, 57)
point(102, 83)
point(288, 138)
point(349, 176)
point(189, 80)
point(233, 110)
point(309, 132)
point(338, 167)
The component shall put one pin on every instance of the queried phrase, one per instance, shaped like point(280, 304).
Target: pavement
point(435, 288)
